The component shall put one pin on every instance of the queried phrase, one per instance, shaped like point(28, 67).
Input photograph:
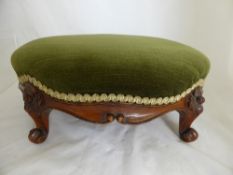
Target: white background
point(78, 147)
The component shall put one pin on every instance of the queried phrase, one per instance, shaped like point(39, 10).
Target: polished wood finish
point(38, 105)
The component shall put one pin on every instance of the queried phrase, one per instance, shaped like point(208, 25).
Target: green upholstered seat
point(119, 64)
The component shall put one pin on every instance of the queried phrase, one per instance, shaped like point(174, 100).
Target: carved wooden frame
point(38, 105)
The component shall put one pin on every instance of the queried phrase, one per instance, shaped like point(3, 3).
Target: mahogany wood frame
point(38, 105)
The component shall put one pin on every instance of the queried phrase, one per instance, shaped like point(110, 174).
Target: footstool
point(100, 78)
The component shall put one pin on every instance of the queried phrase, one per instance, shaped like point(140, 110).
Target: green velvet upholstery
point(136, 65)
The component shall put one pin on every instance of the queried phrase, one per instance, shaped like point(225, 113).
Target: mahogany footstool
point(99, 78)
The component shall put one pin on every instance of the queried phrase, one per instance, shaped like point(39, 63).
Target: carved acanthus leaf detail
point(195, 101)
point(33, 99)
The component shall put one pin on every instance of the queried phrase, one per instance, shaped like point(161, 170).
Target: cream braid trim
point(108, 97)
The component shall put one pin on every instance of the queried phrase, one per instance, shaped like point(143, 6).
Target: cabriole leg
point(193, 107)
point(34, 104)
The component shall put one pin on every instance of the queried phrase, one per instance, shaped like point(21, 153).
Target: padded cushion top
point(120, 64)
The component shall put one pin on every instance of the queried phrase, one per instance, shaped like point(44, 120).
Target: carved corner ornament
point(33, 99)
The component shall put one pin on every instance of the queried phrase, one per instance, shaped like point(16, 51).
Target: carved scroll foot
point(34, 104)
point(192, 108)
point(38, 135)
point(189, 135)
